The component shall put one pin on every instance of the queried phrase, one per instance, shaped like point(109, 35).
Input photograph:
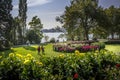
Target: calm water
point(53, 35)
point(56, 34)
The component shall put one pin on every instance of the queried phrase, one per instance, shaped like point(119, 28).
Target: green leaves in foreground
point(103, 65)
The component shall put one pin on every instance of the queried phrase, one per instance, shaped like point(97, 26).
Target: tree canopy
point(83, 17)
point(34, 34)
point(5, 23)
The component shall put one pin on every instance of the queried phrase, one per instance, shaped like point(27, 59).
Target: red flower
point(75, 76)
point(117, 65)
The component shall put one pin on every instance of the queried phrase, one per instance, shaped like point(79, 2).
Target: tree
point(33, 37)
point(46, 38)
point(52, 40)
point(61, 36)
point(35, 29)
point(79, 16)
point(36, 24)
point(22, 17)
point(5, 23)
point(113, 15)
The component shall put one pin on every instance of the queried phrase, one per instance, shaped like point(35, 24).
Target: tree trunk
point(72, 38)
point(86, 35)
point(112, 35)
point(119, 36)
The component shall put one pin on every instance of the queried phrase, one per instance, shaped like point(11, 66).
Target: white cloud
point(32, 3)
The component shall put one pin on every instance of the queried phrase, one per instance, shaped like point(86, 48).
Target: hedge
point(112, 42)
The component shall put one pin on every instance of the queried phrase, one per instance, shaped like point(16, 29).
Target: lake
point(56, 34)
point(53, 35)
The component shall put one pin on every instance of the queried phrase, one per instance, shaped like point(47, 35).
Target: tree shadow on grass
point(29, 48)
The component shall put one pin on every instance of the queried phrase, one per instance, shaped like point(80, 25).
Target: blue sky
point(47, 10)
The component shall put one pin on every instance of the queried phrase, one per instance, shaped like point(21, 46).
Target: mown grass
point(24, 50)
point(115, 48)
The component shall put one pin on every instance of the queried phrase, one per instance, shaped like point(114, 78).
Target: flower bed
point(78, 66)
point(82, 47)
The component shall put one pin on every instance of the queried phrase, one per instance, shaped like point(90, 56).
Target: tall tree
point(22, 17)
point(78, 16)
point(5, 23)
point(113, 15)
point(16, 31)
point(35, 29)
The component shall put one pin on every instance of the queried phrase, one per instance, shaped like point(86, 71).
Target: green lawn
point(114, 48)
point(23, 50)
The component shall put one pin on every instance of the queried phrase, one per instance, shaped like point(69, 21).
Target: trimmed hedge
point(112, 42)
point(103, 65)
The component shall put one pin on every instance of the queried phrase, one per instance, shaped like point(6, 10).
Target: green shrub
point(52, 40)
point(100, 44)
point(101, 65)
point(112, 42)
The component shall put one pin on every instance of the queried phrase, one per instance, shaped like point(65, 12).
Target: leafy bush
point(52, 40)
point(4, 45)
point(100, 44)
point(18, 67)
point(101, 65)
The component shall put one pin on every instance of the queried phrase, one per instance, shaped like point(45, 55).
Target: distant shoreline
point(53, 32)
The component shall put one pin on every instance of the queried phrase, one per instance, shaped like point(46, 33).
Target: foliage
point(36, 24)
point(5, 23)
point(33, 37)
point(78, 18)
point(46, 38)
point(113, 42)
point(52, 40)
point(103, 65)
point(22, 16)
point(101, 44)
point(61, 36)
point(17, 31)
point(83, 17)
point(34, 33)
point(113, 15)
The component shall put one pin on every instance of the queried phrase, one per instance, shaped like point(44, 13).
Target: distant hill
point(53, 30)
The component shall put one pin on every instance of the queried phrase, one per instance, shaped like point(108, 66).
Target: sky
point(47, 10)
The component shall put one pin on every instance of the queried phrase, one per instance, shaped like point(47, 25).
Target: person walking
point(38, 49)
point(42, 48)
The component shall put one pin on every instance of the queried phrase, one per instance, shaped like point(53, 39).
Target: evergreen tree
point(5, 23)
point(22, 17)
